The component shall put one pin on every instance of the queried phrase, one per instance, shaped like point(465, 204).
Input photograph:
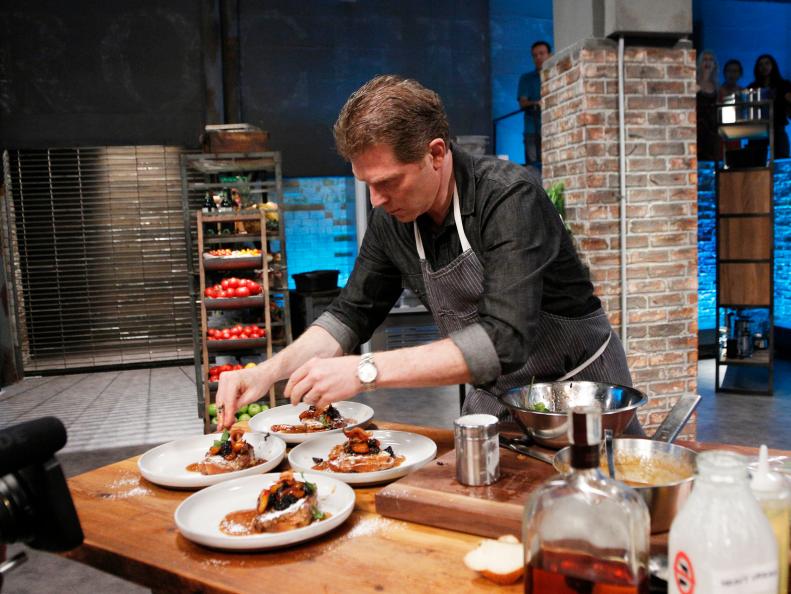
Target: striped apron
point(583, 348)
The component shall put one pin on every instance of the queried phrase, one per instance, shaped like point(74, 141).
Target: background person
point(767, 76)
point(529, 97)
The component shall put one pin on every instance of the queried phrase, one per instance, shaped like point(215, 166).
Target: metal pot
point(663, 500)
point(619, 405)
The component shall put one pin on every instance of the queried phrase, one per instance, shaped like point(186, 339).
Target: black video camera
point(35, 503)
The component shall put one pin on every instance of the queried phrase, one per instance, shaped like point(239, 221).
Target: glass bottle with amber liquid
point(583, 532)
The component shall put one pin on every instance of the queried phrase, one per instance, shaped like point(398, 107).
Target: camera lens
point(16, 514)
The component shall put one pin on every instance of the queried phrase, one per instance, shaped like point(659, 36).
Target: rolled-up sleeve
point(373, 288)
point(479, 353)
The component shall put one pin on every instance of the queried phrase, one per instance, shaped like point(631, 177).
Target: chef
point(478, 241)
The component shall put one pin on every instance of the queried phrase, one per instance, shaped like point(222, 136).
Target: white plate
point(166, 465)
point(289, 415)
point(417, 449)
point(199, 515)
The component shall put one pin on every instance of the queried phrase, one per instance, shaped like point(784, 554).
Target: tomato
point(225, 284)
point(242, 292)
point(237, 366)
point(226, 334)
point(234, 331)
point(233, 282)
point(244, 335)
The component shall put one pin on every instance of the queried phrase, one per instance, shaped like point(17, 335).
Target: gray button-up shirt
point(530, 265)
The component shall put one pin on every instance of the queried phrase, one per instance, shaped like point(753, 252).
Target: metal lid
point(585, 425)
point(478, 426)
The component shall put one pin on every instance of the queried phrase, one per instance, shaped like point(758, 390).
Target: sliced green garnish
point(539, 407)
point(310, 488)
point(317, 513)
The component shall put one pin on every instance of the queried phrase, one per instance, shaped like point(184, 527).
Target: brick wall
point(580, 148)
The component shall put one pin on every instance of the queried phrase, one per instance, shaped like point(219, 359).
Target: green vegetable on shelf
point(212, 410)
point(244, 417)
point(253, 409)
point(242, 410)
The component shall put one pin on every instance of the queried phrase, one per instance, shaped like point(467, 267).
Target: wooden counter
point(130, 532)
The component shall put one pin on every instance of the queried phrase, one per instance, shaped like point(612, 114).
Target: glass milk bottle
point(720, 541)
point(771, 491)
point(584, 532)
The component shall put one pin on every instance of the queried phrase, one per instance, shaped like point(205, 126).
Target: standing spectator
point(732, 72)
point(529, 97)
point(767, 76)
point(705, 104)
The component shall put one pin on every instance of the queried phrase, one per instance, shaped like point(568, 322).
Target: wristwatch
point(367, 372)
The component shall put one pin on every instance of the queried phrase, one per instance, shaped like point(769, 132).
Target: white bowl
point(289, 415)
point(166, 465)
point(198, 517)
point(417, 450)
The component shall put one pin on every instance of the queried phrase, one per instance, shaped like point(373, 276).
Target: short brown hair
point(391, 110)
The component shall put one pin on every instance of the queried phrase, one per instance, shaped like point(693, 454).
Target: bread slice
point(501, 561)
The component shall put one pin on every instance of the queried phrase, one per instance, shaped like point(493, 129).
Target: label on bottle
point(760, 579)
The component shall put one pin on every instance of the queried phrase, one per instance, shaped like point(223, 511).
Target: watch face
point(367, 373)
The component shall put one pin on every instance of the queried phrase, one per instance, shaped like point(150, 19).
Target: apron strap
point(587, 362)
point(465, 244)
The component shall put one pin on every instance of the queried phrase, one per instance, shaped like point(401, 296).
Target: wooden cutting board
point(432, 496)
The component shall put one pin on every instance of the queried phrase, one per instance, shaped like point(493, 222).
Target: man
point(476, 239)
point(529, 97)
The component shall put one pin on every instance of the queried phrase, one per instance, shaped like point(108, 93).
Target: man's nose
point(377, 199)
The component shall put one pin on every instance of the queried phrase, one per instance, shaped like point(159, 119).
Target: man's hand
point(323, 381)
point(238, 388)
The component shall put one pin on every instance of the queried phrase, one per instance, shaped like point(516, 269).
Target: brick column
point(580, 149)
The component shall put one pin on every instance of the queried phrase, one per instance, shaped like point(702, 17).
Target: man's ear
point(438, 149)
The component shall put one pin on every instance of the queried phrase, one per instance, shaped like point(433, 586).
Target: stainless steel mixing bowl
point(619, 405)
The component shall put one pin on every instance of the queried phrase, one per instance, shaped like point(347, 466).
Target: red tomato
point(242, 292)
point(234, 331)
point(244, 335)
point(226, 334)
point(225, 283)
point(233, 282)
point(237, 366)
point(226, 367)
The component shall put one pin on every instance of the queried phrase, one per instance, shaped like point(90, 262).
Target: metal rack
point(745, 209)
point(198, 175)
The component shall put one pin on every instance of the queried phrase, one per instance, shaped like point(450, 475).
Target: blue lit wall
point(707, 241)
point(514, 26)
point(320, 225)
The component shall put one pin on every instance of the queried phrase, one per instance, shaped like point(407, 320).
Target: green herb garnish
point(310, 488)
point(223, 438)
point(317, 513)
point(539, 407)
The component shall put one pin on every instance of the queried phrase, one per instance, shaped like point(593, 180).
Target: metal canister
point(477, 449)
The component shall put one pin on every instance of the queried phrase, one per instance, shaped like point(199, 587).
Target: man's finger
point(295, 378)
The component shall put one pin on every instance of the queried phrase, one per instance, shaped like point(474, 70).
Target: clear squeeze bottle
point(584, 532)
point(771, 491)
point(720, 540)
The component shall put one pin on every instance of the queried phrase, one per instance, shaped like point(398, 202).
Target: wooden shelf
point(758, 359)
point(235, 344)
point(234, 302)
point(232, 263)
point(237, 238)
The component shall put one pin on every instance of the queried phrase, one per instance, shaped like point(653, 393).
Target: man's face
point(404, 190)
point(540, 55)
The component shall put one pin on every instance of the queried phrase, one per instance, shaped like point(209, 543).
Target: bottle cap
point(765, 481)
point(585, 425)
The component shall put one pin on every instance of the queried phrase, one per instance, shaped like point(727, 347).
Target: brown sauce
point(239, 523)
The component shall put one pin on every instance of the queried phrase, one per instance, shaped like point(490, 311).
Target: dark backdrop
point(87, 72)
